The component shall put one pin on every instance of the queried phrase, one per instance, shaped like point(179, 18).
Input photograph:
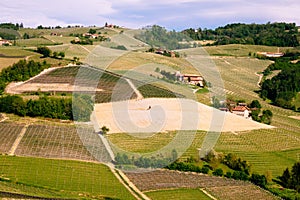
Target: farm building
point(194, 79)
point(242, 111)
point(5, 42)
point(190, 79)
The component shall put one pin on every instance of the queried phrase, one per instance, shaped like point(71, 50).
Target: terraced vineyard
point(218, 187)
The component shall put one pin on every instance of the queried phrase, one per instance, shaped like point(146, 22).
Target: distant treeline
point(21, 71)
point(283, 88)
point(157, 36)
point(270, 34)
point(16, 26)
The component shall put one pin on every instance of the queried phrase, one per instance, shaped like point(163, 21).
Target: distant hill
point(270, 34)
point(9, 34)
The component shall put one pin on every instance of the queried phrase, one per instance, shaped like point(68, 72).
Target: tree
point(255, 104)
point(26, 36)
point(259, 180)
point(218, 172)
point(174, 155)
point(45, 51)
point(104, 130)
point(92, 31)
point(286, 178)
point(295, 182)
point(61, 54)
point(55, 54)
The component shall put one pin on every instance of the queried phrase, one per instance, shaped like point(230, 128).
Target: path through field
point(136, 91)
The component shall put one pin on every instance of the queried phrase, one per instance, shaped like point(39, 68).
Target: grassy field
point(34, 42)
point(59, 178)
point(178, 194)
point(133, 60)
point(11, 55)
point(132, 143)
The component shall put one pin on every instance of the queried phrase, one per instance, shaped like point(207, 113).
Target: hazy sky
point(172, 14)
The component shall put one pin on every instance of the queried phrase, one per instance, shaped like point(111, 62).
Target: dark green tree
point(45, 51)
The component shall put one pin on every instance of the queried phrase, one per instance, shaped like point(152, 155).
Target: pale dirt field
point(166, 115)
point(17, 88)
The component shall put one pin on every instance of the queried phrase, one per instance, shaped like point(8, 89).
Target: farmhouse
point(89, 35)
point(5, 42)
point(194, 79)
point(242, 111)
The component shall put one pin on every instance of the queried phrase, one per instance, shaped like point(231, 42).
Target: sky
point(172, 14)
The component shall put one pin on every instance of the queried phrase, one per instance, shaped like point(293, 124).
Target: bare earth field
point(167, 115)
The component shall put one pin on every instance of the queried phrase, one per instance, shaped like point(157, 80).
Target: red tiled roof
point(240, 108)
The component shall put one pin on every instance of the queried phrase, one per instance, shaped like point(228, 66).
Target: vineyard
point(53, 142)
point(105, 85)
point(8, 134)
point(216, 186)
point(191, 194)
point(47, 178)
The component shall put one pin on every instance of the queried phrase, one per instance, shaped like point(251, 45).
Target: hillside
point(143, 112)
point(270, 34)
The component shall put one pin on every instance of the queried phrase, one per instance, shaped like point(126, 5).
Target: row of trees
point(56, 108)
point(145, 162)
point(16, 26)
point(21, 71)
point(79, 108)
point(46, 52)
point(240, 169)
point(270, 34)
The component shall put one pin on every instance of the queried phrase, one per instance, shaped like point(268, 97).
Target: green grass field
point(59, 179)
point(178, 194)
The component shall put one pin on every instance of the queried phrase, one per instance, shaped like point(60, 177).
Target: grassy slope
point(133, 60)
point(59, 178)
point(192, 194)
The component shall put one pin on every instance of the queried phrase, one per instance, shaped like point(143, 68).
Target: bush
point(218, 172)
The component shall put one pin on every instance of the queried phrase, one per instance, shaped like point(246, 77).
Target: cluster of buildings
point(91, 36)
point(241, 109)
point(4, 42)
point(271, 54)
point(191, 79)
point(56, 34)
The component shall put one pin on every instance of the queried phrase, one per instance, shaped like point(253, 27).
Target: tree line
point(21, 71)
point(270, 34)
point(283, 88)
point(79, 108)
